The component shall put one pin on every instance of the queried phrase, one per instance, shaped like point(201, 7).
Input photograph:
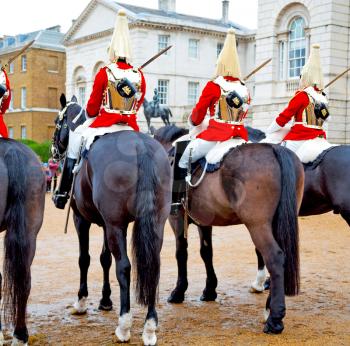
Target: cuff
point(274, 127)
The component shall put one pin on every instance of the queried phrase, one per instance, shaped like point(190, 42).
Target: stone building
point(286, 30)
point(179, 75)
point(37, 79)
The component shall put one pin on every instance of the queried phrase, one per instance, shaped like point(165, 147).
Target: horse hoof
point(149, 336)
point(254, 288)
point(273, 327)
point(176, 297)
point(80, 307)
point(105, 305)
point(124, 325)
point(208, 296)
point(16, 342)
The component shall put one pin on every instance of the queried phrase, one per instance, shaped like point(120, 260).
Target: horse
point(326, 187)
point(126, 178)
point(259, 185)
point(22, 200)
point(149, 112)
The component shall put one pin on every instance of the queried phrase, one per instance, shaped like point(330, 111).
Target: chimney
point(167, 5)
point(225, 4)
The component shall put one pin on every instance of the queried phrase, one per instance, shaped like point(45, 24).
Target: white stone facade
point(87, 41)
point(327, 22)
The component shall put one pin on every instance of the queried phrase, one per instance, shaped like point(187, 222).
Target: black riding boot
point(61, 195)
point(179, 183)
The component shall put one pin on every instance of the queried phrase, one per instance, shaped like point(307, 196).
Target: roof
point(50, 38)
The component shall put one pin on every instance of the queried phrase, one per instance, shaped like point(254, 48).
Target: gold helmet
point(228, 61)
point(120, 43)
point(311, 74)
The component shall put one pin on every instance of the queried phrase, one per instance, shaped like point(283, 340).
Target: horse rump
point(285, 222)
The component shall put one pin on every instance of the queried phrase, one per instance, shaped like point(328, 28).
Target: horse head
point(166, 135)
point(70, 116)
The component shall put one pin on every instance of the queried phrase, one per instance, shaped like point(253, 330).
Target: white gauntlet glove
point(274, 127)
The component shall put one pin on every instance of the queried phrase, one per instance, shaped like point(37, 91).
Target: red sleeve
point(5, 104)
point(96, 97)
point(143, 91)
point(298, 102)
point(209, 97)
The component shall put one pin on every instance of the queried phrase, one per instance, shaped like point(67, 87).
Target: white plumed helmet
point(228, 61)
point(311, 74)
point(120, 43)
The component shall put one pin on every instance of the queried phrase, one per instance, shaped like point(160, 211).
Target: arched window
point(79, 78)
point(297, 47)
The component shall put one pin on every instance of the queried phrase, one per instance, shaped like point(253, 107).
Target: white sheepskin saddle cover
point(216, 154)
point(312, 148)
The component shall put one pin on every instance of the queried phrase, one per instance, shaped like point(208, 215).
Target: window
point(81, 92)
point(297, 47)
point(192, 95)
point(52, 64)
point(23, 132)
point(219, 47)
point(163, 42)
point(52, 99)
point(163, 89)
point(24, 63)
point(193, 48)
point(12, 100)
point(281, 68)
point(23, 98)
point(12, 67)
point(10, 132)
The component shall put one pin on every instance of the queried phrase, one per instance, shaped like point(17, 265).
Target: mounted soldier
point(227, 100)
point(117, 95)
point(5, 99)
point(308, 110)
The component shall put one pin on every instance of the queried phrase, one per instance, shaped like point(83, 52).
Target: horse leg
point(82, 226)
point(206, 251)
point(258, 286)
point(106, 262)
point(274, 259)
point(178, 294)
point(116, 237)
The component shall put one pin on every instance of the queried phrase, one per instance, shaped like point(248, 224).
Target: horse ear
point(63, 100)
point(74, 99)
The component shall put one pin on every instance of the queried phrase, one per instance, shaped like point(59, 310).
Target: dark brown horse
point(327, 186)
point(22, 200)
point(257, 185)
point(125, 179)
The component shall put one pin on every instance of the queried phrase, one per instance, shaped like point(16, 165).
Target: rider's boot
point(179, 183)
point(61, 195)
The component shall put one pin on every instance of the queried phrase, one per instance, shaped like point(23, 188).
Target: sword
point(257, 69)
point(155, 57)
point(18, 54)
point(336, 78)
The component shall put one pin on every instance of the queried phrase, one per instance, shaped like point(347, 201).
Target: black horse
point(150, 112)
point(22, 200)
point(259, 186)
point(125, 179)
point(327, 186)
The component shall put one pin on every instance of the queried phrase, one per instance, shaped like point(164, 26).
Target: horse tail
point(145, 240)
point(285, 222)
point(16, 267)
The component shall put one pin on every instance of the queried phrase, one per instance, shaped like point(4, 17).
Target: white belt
point(118, 111)
point(229, 122)
point(310, 126)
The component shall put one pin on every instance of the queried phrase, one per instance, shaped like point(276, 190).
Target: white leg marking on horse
point(266, 314)
point(80, 307)
point(149, 336)
point(124, 325)
point(258, 285)
point(16, 342)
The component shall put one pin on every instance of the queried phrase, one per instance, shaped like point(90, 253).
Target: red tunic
point(3, 108)
point(295, 109)
point(104, 118)
point(216, 131)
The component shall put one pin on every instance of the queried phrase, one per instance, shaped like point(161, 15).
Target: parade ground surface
point(320, 315)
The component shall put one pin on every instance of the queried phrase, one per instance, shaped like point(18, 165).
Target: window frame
point(197, 41)
point(192, 97)
point(163, 44)
point(301, 43)
point(23, 98)
point(23, 130)
point(163, 91)
point(24, 63)
point(12, 68)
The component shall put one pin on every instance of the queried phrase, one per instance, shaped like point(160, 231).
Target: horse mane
point(255, 135)
point(169, 133)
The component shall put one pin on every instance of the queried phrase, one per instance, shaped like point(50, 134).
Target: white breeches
point(75, 139)
point(199, 147)
point(293, 145)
